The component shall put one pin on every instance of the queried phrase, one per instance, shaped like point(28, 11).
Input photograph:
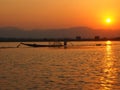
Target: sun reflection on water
point(109, 72)
point(108, 43)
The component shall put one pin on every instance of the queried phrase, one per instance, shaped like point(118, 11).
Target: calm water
point(87, 67)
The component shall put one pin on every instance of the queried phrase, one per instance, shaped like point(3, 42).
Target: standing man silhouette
point(65, 44)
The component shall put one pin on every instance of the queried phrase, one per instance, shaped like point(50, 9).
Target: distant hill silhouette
point(84, 32)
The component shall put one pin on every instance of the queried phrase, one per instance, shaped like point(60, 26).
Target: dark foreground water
point(86, 67)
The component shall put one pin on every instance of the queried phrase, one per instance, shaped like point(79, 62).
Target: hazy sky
point(59, 13)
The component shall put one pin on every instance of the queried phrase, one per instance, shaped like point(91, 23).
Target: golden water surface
point(84, 68)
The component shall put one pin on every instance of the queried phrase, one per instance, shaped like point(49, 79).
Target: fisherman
point(65, 44)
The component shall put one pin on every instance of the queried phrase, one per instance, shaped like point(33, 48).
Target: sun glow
point(108, 20)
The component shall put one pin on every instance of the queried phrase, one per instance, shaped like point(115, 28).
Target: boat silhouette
point(39, 45)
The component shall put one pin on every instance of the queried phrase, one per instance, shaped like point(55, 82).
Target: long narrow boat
point(37, 45)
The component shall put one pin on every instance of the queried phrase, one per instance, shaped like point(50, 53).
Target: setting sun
point(108, 20)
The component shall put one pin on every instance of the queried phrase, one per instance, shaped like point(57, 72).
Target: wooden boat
point(37, 45)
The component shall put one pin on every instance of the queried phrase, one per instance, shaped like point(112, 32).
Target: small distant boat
point(38, 45)
point(98, 44)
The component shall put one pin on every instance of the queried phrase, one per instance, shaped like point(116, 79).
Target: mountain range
point(83, 32)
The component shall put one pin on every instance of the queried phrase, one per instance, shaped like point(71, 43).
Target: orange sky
point(59, 13)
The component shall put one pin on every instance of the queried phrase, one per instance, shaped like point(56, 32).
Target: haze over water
point(87, 67)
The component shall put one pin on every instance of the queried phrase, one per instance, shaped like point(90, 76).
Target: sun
point(108, 20)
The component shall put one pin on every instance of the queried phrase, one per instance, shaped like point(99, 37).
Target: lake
point(83, 66)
